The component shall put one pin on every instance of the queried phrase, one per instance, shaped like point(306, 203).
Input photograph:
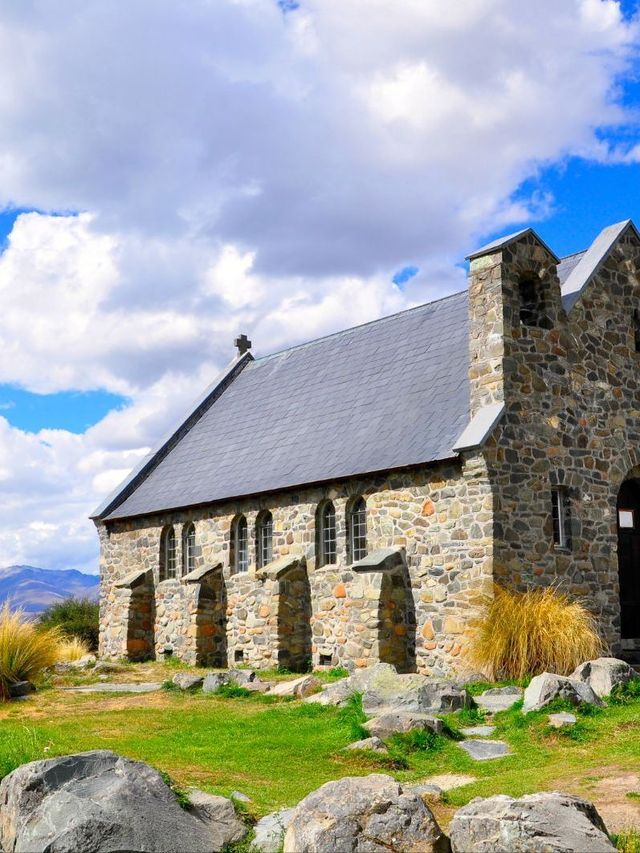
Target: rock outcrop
point(547, 687)
point(536, 823)
point(370, 814)
point(98, 802)
point(603, 674)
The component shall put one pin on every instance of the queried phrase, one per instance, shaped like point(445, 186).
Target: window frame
point(168, 554)
point(357, 529)
point(326, 534)
point(561, 518)
point(239, 545)
point(188, 548)
point(264, 538)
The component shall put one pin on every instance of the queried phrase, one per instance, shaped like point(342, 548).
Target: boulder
point(603, 674)
point(242, 677)
point(397, 722)
point(547, 687)
point(214, 681)
point(333, 694)
point(498, 698)
point(299, 687)
point(258, 686)
point(536, 823)
point(21, 689)
point(218, 814)
point(95, 801)
point(187, 680)
point(370, 814)
point(374, 744)
point(270, 830)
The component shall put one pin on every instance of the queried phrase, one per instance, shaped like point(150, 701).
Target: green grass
point(277, 751)
point(627, 841)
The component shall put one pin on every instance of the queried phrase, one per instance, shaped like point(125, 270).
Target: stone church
point(355, 498)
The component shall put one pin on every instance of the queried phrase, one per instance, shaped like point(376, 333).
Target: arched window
point(264, 538)
point(168, 554)
point(239, 557)
point(326, 533)
point(188, 549)
point(357, 530)
point(532, 303)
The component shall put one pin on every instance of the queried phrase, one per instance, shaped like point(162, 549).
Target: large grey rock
point(603, 674)
point(270, 831)
point(547, 687)
point(397, 722)
point(219, 816)
point(187, 680)
point(95, 802)
point(536, 823)
point(370, 814)
point(498, 698)
point(485, 750)
point(299, 687)
point(242, 677)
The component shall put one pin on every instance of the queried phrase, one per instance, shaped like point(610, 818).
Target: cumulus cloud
point(249, 165)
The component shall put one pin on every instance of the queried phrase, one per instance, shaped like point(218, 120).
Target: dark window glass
point(168, 554)
point(189, 549)
point(326, 534)
point(561, 513)
point(264, 539)
point(239, 545)
point(358, 530)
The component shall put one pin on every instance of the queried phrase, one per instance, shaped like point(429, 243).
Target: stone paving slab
point(144, 687)
point(478, 731)
point(485, 750)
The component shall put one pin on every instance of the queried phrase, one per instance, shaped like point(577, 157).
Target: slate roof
point(388, 394)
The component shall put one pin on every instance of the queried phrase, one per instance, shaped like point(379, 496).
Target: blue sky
point(282, 169)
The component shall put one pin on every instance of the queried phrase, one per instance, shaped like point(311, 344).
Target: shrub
point(75, 617)
point(526, 633)
point(72, 649)
point(24, 650)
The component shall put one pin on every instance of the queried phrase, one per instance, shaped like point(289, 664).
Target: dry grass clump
point(24, 650)
point(72, 649)
point(540, 630)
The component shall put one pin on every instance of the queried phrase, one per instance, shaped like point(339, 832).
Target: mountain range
point(32, 589)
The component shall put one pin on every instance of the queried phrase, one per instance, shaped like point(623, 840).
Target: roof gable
point(591, 260)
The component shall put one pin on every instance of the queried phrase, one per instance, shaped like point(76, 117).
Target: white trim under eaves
point(479, 427)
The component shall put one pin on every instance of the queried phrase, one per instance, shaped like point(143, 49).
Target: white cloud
point(241, 170)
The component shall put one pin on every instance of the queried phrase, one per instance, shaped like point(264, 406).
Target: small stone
point(214, 681)
point(478, 731)
point(374, 744)
point(241, 677)
point(426, 790)
point(187, 680)
point(299, 687)
point(559, 721)
point(401, 723)
point(242, 798)
point(485, 750)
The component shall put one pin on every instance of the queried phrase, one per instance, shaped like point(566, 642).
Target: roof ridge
point(573, 254)
point(387, 317)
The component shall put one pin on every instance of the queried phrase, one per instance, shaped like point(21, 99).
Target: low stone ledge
point(199, 575)
point(382, 560)
point(135, 579)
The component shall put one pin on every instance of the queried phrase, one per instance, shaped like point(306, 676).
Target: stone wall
point(572, 396)
point(419, 616)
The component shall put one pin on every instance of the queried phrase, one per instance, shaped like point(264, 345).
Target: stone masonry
point(571, 393)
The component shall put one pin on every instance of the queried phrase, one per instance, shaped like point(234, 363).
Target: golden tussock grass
point(72, 649)
point(24, 650)
point(526, 633)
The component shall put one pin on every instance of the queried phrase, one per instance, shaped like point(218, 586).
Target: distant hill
point(34, 589)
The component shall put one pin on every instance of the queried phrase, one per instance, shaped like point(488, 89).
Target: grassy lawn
point(277, 751)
